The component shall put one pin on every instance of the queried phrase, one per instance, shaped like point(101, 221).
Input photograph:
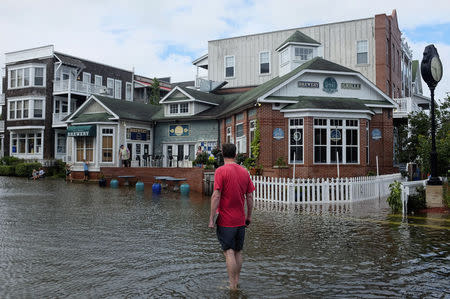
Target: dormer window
point(302, 53)
point(182, 108)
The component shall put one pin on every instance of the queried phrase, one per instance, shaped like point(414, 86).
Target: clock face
point(436, 69)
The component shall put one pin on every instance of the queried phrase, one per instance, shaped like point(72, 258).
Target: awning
point(82, 131)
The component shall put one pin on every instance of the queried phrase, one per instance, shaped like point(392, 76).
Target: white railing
point(81, 87)
point(286, 190)
point(58, 117)
point(2, 99)
point(2, 126)
point(405, 106)
point(199, 79)
point(409, 188)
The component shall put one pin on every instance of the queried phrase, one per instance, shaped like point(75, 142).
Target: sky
point(162, 38)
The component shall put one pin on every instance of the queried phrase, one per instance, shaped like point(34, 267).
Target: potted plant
point(102, 180)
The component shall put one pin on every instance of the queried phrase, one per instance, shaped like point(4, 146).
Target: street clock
point(431, 67)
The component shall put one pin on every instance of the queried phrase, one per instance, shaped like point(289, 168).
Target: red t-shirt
point(233, 181)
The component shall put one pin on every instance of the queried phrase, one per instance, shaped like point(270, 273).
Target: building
point(41, 87)
point(370, 46)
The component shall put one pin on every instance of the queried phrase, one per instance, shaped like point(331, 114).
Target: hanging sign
point(178, 130)
point(335, 135)
point(278, 133)
point(308, 84)
point(376, 134)
point(330, 85)
point(138, 134)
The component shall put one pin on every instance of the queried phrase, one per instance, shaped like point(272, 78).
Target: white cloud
point(136, 34)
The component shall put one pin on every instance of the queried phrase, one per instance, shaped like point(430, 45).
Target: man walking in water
point(232, 189)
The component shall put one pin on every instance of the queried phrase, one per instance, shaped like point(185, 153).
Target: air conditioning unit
point(103, 90)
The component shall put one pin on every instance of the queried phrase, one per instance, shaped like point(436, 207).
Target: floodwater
point(80, 241)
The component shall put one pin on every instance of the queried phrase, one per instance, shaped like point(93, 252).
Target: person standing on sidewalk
point(233, 188)
point(124, 155)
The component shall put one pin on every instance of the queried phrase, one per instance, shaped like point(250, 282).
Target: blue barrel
point(156, 188)
point(114, 183)
point(139, 186)
point(184, 189)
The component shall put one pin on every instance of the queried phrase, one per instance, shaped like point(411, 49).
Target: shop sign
point(376, 134)
point(138, 134)
point(178, 130)
point(351, 86)
point(308, 84)
point(329, 85)
point(82, 131)
point(335, 135)
point(278, 133)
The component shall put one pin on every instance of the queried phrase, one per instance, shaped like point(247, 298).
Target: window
point(20, 77)
point(239, 130)
point(98, 80)
point(284, 56)
point(25, 108)
point(303, 53)
point(39, 76)
point(128, 89)
point(367, 142)
point(362, 52)
point(85, 148)
point(296, 140)
point(228, 120)
point(107, 144)
point(110, 86)
point(184, 108)
point(117, 89)
point(60, 143)
point(239, 117)
point(251, 134)
point(229, 66)
point(229, 136)
point(264, 62)
point(336, 140)
point(26, 143)
point(251, 112)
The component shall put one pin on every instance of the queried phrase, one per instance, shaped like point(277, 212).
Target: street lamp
point(431, 69)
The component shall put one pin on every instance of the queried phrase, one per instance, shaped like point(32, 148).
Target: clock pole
point(434, 180)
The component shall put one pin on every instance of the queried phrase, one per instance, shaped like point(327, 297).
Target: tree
point(154, 95)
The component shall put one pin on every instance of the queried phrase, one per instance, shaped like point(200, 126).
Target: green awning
point(82, 131)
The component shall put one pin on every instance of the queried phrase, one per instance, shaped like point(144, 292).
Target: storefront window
point(107, 144)
point(239, 130)
point(26, 143)
point(296, 140)
point(85, 148)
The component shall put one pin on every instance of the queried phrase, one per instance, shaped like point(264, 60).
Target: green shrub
point(371, 173)
point(8, 160)
point(446, 194)
point(240, 158)
point(7, 170)
point(417, 201)
point(26, 169)
point(249, 163)
point(280, 162)
point(58, 170)
point(395, 198)
point(202, 158)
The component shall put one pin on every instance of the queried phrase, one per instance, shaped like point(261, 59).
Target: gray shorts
point(231, 237)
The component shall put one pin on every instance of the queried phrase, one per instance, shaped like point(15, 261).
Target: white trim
point(172, 91)
point(364, 79)
point(100, 160)
point(327, 110)
point(356, 45)
point(31, 104)
point(96, 62)
point(32, 71)
point(327, 115)
point(25, 128)
point(101, 80)
point(130, 97)
point(302, 127)
point(191, 98)
point(194, 62)
point(117, 83)
point(297, 44)
point(225, 67)
point(94, 123)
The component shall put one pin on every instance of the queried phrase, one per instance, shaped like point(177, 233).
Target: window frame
point(299, 57)
point(179, 108)
point(118, 89)
point(296, 127)
point(225, 66)
point(107, 134)
point(98, 78)
point(285, 54)
point(128, 91)
point(84, 148)
point(268, 62)
point(31, 107)
point(15, 138)
point(28, 73)
point(110, 87)
point(359, 51)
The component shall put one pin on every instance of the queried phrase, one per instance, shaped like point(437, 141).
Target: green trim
point(82, 131)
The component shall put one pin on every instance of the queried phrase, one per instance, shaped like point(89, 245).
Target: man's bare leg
point(232, 268)
point(238, 259)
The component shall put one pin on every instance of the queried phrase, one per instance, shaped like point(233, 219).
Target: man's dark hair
point(229, 150)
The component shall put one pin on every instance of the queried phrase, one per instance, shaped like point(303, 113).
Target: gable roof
point(194, 95)
point(297, 38)
point(70, 61)
point(118, 109)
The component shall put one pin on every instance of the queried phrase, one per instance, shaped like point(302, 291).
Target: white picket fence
point(286, 190)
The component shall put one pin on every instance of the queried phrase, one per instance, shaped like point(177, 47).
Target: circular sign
point(178, 130)
point(376, 134)
point(297, 136)
point(329, 85)
point(278, 133)
point(335, 135)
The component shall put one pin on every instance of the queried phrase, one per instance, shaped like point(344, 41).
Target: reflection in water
point(79, 240)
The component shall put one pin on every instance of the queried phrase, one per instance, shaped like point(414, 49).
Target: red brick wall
point(388, 65)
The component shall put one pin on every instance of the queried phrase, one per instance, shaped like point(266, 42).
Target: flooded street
point(79, 240)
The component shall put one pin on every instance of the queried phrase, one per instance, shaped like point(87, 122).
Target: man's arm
point(215, 198)
point(249, 207)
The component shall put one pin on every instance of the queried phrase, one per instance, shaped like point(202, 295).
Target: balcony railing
point(58, 118)
point(2, 99)
point(405, 106)
point(2, 126)
point(63, 86)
